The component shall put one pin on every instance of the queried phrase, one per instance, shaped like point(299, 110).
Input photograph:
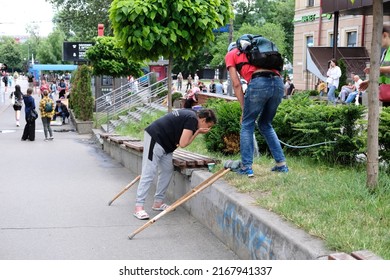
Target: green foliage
point(82, 101)
point(149, 29)
point(259, 12)
point(343, 78)
point(79, 19)
point(301, 121)
point(10, 53)
point(136, 129)
point(107, 58)
point(384, 134)
point(175, 96)
point(272, 31)
point(49, 51)
point(224, 136)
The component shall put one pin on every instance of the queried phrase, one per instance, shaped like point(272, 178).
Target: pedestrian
point(161, 138)
point(29, 105)
point(179, 81)
point(30, 80)
point(189, 82)
point(61, 89)
point(17, 95)
point(61, 110)
point(384, 69)
point(219, 87)
point(191, 97)
point(196, 80)
point(44, 86)
point(46, 107)
point(5, 81)
point(259, 104)
point(334, 74)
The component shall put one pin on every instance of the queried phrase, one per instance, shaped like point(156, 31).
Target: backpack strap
point(240, 65)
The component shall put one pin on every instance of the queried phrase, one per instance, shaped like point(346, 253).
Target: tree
point(10, 53)
point(373, 100)
point(79, 19)
point(150, 29)
point(50, 50)
point(106, 58)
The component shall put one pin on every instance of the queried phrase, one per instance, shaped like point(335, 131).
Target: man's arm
point(237, 88)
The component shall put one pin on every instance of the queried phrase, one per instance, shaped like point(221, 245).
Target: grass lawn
point(332, 203)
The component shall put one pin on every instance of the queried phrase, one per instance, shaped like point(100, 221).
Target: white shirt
point(334, 74)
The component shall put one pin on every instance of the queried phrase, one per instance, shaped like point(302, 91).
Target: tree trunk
point(373, 100)
point(169, 95)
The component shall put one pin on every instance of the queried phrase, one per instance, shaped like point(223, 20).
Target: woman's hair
point(45, 92)
point(207, 114)
point(386, 28)
point(334, 61)
point(17, 88)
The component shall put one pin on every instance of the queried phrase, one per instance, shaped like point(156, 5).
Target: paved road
point(53, 203)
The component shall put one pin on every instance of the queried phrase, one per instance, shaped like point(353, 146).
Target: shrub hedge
point(335, 134)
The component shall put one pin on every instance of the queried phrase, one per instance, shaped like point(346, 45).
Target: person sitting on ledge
point(61, 110)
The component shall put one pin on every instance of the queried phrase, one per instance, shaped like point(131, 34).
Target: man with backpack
point(262, 97)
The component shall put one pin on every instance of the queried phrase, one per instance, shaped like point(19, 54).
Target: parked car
point(244, 85)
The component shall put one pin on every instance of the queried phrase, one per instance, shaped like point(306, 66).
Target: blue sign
point(222, 29)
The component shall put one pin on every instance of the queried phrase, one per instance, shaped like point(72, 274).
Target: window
point(310, 3)
point(351, 39)
point(107, 81)
point(309, 41)
point(331, 40)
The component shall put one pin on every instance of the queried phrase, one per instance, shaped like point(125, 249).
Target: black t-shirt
point(167, 130)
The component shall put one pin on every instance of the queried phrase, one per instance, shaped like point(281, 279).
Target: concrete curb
point(248, 230)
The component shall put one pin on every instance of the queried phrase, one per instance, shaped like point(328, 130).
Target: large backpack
point(48, 106)
point(260, 52)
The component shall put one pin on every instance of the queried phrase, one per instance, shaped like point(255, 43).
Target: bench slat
point(365, 255)
point(181, 158)
point(340, 256)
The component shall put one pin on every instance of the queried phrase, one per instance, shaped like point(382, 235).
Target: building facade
point(313, 28)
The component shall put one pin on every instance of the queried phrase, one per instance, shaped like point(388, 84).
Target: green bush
point(301, 121)
point(82, 100)
point(224, 137)
point(384, 134)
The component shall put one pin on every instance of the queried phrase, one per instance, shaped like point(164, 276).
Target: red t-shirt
point(234, 57)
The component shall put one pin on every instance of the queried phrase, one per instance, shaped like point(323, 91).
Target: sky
point(16, 14)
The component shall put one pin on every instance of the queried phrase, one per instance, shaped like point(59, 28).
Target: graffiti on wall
point(246, 233)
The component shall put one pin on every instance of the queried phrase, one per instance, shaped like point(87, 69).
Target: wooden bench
point(356, 255)
point(181, 158)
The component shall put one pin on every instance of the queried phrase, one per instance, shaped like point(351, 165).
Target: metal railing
point(140, 93)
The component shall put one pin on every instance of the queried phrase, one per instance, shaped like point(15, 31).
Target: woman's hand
point(203, 130)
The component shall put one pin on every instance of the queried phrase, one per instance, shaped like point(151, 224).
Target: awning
point(53, 67)
point(355, 58)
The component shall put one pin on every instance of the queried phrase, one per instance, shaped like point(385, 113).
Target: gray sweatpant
point(154, 160)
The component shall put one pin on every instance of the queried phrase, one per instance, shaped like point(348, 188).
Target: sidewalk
point(54, 204)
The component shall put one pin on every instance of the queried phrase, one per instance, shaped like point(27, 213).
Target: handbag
point(33, 115)
point(384, 93)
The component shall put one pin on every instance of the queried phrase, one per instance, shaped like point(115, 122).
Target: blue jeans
point(351, 97)
point(331, 95)
point(261, 102)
